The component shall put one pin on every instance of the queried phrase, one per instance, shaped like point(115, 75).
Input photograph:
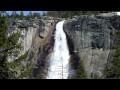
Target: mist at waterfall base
point(59, 60)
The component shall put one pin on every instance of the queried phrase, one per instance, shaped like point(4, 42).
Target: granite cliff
point(90, 40)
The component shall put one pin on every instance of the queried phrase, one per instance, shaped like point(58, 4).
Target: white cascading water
point(59, 60)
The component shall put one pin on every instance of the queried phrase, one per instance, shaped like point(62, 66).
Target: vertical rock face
point(45, 47)
point(27, 30)
point(35, 39)
point(92, 41)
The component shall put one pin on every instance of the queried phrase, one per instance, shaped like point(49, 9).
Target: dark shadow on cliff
point(76, 70)
point(76, 65)
point(74, 59)
point(70, 44)
point(41, 69)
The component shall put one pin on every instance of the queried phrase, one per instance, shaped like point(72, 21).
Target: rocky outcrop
point(92, 38)
point(27, 30)
point(44, 49)
point(35, 40)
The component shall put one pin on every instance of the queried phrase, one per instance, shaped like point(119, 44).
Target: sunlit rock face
point(34, 39)
point(32, 32)
point(27, 30)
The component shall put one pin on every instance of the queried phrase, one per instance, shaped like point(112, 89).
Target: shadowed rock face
point(92, 40)
point(42, 63)
point(40, 70)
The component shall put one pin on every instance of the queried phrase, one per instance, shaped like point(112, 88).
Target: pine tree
point(70, 14)
point(8, 46)
point(44, 14)
point(30, 14)
point(3, 54)
point(36, 14)
point(21, 14)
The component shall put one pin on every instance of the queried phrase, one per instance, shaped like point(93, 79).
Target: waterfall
point(59, 60)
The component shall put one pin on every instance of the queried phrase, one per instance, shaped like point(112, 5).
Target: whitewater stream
point(59, 60)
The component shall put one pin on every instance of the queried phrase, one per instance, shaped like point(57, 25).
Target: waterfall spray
point(59, 60)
